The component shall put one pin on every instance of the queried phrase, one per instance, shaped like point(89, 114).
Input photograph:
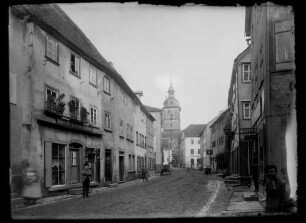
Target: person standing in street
point(86, 179)
point(277, 195)
point(143, 173)
point(31, 185)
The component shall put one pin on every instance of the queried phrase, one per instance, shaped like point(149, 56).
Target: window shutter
point(48, 160)
point(284, 45)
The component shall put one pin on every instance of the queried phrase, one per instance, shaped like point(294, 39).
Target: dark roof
point(152, 109)
point(221, 114)
point(194, 130)
point(52, 19)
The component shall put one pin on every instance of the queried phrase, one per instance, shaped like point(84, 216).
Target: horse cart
point(165, 169)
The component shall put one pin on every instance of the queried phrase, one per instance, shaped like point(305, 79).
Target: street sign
point(250, 137)
point(248, 131)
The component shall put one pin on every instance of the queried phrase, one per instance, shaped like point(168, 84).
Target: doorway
point(75, 164)
point(121, 166)
point(108, 165)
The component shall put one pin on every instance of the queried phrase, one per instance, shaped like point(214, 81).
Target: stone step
point(16, 202)
point(113, 185)
point(250, 196)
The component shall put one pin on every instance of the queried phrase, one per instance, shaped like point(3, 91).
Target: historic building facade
point(270, 30)
point(171, 128)
point(68, 104)
point(157, 125)
point(239, 101)
point(190, 145)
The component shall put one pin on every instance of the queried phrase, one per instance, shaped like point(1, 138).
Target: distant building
point(157, 125)
point(206, 150)
point(219, 142)
point(271, 31)
point(190, 145)
point(171, 128)
point(150, 151)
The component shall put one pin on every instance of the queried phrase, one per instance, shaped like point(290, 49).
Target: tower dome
point(170, 100)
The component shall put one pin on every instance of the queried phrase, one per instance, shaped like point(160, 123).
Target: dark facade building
point(270, 30)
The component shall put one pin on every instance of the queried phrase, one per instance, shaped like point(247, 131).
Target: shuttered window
point(51, 49)
point(284, 45)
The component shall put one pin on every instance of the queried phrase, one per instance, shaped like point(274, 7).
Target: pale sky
point(149, 44)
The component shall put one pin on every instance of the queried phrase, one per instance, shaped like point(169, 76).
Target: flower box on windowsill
point(51, 113)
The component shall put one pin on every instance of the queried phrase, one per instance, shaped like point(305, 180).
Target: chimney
point(138, 94)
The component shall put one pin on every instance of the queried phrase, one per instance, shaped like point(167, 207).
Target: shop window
point(58, 164)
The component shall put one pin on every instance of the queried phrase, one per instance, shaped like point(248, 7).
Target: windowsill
point(131, 140)
point(93, 126)
point(93, 85)
point(52, 61)
point(107, 93)
point(132, 171)
point(121, 136)
point(247, 82)
point(108, 130)
point(75, 74)
point(246, 118)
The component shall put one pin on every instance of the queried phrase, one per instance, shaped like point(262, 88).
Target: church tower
point(171, 127)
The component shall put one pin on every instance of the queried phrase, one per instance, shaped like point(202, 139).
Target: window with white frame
point(107, 119)
point(51, 49)
point(246, 105)
point(93, 75)
point(121, 128)
point(246, 72)
point(93, 116)
point(75, 64)
point(106, 85)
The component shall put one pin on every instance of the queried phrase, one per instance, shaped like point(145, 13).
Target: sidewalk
point(18, 202)
point(235, 201)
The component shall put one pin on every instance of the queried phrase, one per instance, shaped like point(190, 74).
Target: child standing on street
point(86, 179)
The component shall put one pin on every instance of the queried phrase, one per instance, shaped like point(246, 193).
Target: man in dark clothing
point(86, 176)
point(277, 196)
point(144, 173)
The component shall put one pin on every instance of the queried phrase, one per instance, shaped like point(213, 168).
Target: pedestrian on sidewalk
point(277, 191)
point(31, 184)
point(86, 179)
point(144, 173)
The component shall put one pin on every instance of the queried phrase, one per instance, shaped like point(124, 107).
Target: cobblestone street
point(181, 194)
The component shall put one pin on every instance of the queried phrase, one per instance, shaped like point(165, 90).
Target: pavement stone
point(53, 199)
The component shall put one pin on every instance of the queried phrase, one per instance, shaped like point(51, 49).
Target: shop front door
point(75, 164)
